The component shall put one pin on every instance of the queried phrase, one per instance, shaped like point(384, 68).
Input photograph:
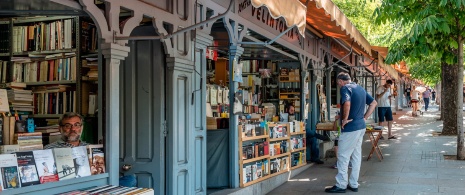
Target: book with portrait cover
point(46, 166)
point(81, 163)
point(9, 176)
point(96, 156)
point(64, 162)
point(27, 168)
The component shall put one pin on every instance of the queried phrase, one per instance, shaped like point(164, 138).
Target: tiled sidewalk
point(413, 164)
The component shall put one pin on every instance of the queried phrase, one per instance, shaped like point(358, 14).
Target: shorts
point(385, 112)
point(414, 101)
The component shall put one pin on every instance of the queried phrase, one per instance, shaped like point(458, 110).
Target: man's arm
point(345, 114)
point(379, 95)
point(370, 109)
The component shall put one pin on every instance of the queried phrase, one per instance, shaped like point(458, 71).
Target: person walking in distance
point(426, 95)
point(383, 95)
point(353, 127)
point(415, 99)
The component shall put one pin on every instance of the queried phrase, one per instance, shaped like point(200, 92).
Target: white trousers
point(349, 149)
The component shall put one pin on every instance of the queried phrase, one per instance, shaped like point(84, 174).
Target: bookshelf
point(276, 137)
point(44, 52)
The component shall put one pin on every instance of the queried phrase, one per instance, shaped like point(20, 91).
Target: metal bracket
point(179, 31)
point(268, 42)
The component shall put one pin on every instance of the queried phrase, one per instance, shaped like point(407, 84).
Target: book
point(8, 149)
point(96, 156)
point(4, 106)
point(46, 166)
point(64, 163)
point(81, 163)
point(27, 168)
point(9, 172)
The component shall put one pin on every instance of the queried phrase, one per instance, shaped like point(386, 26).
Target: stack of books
point(20, 100)
point(29, 141)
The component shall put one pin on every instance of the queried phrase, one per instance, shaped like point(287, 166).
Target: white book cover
point(244, 175)
point(9, 175)
point(8, 149)
point(254, 172)
point(96, 156)
point(46, 166)
point(81, 164)
point(64, 162)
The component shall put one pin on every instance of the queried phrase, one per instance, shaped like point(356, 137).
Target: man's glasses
point(69, 125)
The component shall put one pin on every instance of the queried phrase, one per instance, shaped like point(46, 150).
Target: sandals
point(392, 137)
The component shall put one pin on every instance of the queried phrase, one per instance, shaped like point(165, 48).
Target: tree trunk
point(443, 69)
point(459, 108)
point(449, 99)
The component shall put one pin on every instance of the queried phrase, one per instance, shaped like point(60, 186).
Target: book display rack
point(269, 149)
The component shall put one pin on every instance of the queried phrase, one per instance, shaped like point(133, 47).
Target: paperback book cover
point(46, 166)
point(96, 156)
point(81, 163)
point(64, 163)
point(27, 168)
point(9, 175)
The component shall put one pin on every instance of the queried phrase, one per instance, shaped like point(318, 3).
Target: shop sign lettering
point(262, 18)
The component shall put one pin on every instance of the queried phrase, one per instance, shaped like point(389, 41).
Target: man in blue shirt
point(353, 102)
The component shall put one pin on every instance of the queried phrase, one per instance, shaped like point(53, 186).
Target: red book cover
point(266, 148)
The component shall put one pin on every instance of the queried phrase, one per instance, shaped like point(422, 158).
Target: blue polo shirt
point(358, 98)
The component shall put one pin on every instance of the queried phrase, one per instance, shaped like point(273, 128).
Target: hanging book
point(237, 73)
point(9, 176)
point(46, 166)
point(220, 96)
point(226, 96)
point(213, 96)
point(238, 101)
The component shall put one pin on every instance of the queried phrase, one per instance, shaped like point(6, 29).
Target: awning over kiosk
point(293, 12)
point(326, 17)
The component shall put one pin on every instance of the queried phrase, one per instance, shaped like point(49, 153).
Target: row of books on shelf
point(280, 147)
point(20, 99)
point(55, 102)
point(36, 167)
point(88, 36)
point(52, 35)
point(298, 158)
point(217, 95)
point(255, 149)
point(13, 135)
point(112, 190)
point(259, 169)
point(254, 66)
point(275, 130)
point(298, 142)
point(39, 71)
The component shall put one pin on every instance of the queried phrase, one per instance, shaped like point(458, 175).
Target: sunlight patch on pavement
point(308, 179)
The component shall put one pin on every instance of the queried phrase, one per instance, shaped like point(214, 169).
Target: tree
point(437, 28)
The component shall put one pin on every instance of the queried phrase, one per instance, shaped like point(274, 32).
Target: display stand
point(271, 158)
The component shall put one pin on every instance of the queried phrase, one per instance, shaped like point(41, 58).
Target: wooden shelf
point(44, 52)
point(298, 150)
point(280, 155)
point(299, 133)
point(280, 172)
point(298, 166)
point(4, 54)
point(255, 159)
point(255, 181)
point(64, 82)
point(278, 139)
point(255, 137)
point(290, 93)
point(46, 115)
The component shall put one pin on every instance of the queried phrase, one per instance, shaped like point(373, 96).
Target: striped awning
point(293, 11)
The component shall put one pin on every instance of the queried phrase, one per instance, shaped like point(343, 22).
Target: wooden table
point(374, 143)
point(373, 139)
